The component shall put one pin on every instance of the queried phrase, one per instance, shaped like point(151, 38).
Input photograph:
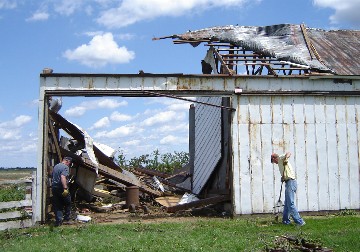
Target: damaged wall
point(315, 118)
point(321, 132)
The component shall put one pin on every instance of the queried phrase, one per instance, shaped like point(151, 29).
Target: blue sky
point(69, 36)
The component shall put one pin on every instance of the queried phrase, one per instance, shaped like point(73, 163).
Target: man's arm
point(63, 181)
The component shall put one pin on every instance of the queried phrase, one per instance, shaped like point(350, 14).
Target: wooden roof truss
point(236, 60)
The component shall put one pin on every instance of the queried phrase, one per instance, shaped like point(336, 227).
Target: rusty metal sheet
point(339, 50)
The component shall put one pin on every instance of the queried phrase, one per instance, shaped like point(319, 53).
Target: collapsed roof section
point(280, 48)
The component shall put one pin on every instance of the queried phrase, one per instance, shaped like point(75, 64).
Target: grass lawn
point(340, 233)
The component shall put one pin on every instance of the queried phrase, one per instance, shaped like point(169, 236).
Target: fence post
point(33, 198)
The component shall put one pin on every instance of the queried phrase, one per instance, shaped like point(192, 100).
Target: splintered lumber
point(168, 201)
point(111, 173)
point(120, 177)
point(198, 203)
point(152, 172)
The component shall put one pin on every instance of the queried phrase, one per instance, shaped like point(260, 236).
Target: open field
point(15, 174)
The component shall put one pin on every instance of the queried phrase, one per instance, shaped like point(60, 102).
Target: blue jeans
point(61, 204)
point(290, 209)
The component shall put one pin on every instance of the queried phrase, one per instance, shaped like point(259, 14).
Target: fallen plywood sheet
point(168, 201)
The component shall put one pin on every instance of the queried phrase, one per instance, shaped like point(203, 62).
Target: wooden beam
point(307, 40)
point(218, 55)
point(55, 141)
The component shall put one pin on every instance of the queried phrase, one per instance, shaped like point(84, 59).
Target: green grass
point(12, 192)
point(341, 233)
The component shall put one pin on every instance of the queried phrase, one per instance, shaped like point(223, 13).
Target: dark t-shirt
point(59, 169)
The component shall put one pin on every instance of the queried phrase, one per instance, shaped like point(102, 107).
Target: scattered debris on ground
point(289, 243)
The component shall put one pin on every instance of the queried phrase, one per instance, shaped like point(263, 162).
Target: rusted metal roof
point(338, 50)
point(324, 51)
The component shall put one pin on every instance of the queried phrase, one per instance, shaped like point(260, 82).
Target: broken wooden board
point(111, 173)
point(168, 201)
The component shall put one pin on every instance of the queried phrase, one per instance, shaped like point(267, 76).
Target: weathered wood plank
point(10, 215)
point(12, 204)
point(332, 157)
point(16, 224)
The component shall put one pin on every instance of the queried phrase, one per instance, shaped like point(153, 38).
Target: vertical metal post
point(191, 139)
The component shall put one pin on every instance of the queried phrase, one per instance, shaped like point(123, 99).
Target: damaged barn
point(263, 90)
point(137, 189)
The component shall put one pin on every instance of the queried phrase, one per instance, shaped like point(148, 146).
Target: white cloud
point(100, 51)
point(125, 36)
point(345, 10)
point(119, 132)
point(163, 117)
point(67, 7)
point(76, 111)
point(11, 130)
point(6, 4)
point(7, 134)
point(182, 127)
point(104, 3)
point(116, 116)
point(131, 11)
point(39, 16)
point(104, 103)
point(102, 123)
point(93, 33)
point(28, 148)
point(179, 106)
point(21, 120)
point(108, 103)
point(17, 122)
point(131, 143)
point(173, 140)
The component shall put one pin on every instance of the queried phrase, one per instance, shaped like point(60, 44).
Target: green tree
point(167, 162)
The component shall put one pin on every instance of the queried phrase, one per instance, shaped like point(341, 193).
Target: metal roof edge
point(347, 77)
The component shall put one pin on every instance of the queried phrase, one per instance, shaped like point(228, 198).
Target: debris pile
point(99, 185)
point(288, 243)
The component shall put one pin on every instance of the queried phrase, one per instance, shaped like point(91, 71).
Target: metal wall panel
point(322, 135)
point(207, 140)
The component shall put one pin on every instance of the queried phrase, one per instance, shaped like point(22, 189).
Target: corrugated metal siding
point(207, 140)
point(322, 135)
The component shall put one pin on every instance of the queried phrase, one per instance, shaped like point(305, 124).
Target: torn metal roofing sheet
point(317, 49)
point(339, 50)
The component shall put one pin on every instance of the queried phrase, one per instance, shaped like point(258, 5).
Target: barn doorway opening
point(137, 126)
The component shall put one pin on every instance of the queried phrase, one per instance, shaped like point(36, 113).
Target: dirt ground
point(150, 214)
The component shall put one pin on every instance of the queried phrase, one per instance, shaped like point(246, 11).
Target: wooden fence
point(19, 214)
